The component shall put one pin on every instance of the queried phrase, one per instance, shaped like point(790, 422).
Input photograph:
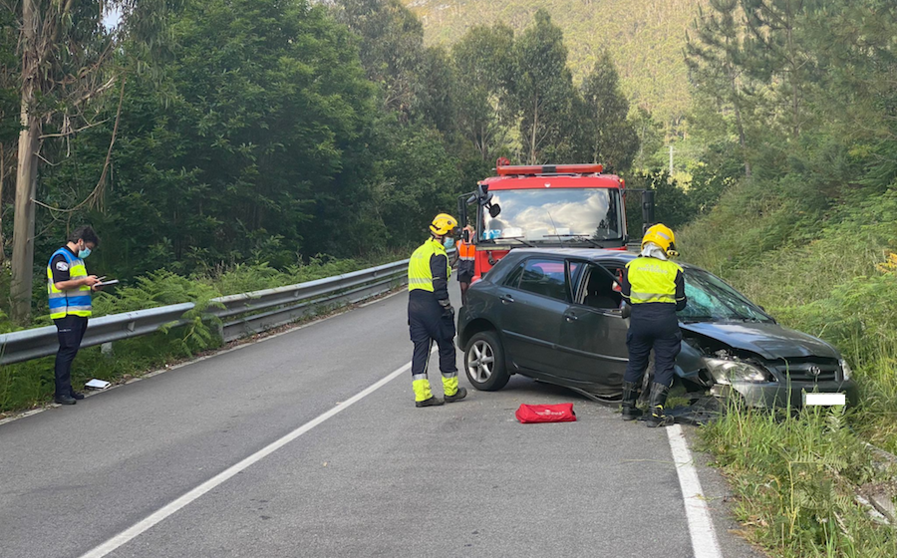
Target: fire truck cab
point(572, 206)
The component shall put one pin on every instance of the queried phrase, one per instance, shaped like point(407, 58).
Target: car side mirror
point(494, 210)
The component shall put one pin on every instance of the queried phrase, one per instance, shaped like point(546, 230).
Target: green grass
point(795, 477)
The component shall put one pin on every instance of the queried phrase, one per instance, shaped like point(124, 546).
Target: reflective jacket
point(75, 302)
point(425, 269)
point(466, 252)
point(651, 280)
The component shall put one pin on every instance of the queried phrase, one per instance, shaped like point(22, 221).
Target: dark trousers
point(428, 323)
point(70, 331)
point(653, 326)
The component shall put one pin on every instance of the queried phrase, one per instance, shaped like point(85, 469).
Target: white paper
point(97, 384)
point(824, 399)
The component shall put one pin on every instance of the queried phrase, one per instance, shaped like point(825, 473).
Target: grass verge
point(795, 479)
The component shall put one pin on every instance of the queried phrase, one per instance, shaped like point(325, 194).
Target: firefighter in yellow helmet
point(430, 314)
point(655, 288)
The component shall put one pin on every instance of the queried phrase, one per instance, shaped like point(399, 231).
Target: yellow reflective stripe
point(421, 389)
point(450, 385)
point(651, 297)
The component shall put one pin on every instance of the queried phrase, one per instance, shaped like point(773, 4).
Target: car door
point(533, 300)
point(592, 339)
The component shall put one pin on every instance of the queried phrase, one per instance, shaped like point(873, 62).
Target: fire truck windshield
point(553, 215)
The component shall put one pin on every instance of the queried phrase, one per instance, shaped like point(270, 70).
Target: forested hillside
point(644, 37)
point(200, 136)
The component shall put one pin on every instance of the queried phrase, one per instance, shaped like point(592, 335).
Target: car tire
point(484, 362)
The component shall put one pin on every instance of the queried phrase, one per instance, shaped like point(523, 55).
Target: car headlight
point(728, 371)
point(845, 369)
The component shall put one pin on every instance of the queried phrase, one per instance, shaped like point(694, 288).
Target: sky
point(112, 18)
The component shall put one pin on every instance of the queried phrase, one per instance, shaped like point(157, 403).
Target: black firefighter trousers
point(428, 322)
point(653, 326)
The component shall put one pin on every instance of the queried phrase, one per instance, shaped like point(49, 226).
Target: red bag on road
point(562, 412)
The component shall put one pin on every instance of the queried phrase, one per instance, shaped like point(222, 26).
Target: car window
point(544, 277)
point(513, 277)
point(573, 270)
point(599, 289)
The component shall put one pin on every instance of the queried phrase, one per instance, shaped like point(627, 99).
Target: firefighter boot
point(459, 395)
point(453, 393)
point(630, 396)
point(658, 399)
point(423, 397)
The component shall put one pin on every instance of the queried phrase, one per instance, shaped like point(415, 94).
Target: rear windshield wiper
point(577, 237)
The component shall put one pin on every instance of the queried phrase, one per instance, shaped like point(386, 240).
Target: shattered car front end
point(762, 364)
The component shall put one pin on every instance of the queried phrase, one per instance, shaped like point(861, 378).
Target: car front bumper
point(773, 394)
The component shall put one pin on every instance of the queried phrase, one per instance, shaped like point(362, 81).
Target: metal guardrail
point(272, 308)
point(28, 344)
point(240, 315)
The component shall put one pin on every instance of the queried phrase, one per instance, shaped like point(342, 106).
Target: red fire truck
point(571, 206)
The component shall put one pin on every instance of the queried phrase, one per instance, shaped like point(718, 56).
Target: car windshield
point(553, 215)
point(710, 299)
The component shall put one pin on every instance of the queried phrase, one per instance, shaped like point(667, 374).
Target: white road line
point(169, 509)
point(700, 526)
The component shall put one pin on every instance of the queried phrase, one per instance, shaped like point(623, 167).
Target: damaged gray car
point(557, 315)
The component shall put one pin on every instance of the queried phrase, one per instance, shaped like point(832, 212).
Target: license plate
point(825, 399)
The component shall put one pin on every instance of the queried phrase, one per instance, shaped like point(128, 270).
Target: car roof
point(591, 254)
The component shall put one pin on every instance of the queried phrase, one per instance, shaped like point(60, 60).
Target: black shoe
point(630, 397)
point(65, 399)
point(459, 395)
point(656, 417)
point(431, 402)
point(77, 395)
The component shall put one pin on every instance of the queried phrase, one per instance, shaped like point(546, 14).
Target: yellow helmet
point(443, 224)
point(662, 236)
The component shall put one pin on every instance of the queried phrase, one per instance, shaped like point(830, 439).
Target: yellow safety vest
point(76, 302)
point(419, 276)
point(652, 280)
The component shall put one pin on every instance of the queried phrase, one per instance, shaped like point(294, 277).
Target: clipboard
point(106, 283)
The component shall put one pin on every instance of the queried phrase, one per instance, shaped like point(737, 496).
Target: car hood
point(770, 341)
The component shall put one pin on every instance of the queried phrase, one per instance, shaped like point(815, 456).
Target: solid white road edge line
point(169, 509)
point(700, 526)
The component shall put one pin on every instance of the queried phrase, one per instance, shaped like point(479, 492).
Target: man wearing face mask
point(69, 289)
point(431, 316)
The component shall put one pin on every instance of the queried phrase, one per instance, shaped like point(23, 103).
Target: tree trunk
point(2, 184)
point(532, 150)
point(26, 178)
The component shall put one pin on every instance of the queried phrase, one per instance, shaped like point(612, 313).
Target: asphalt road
point(378, 478)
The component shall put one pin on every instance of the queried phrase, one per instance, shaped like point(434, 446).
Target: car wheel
point(484, 362)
